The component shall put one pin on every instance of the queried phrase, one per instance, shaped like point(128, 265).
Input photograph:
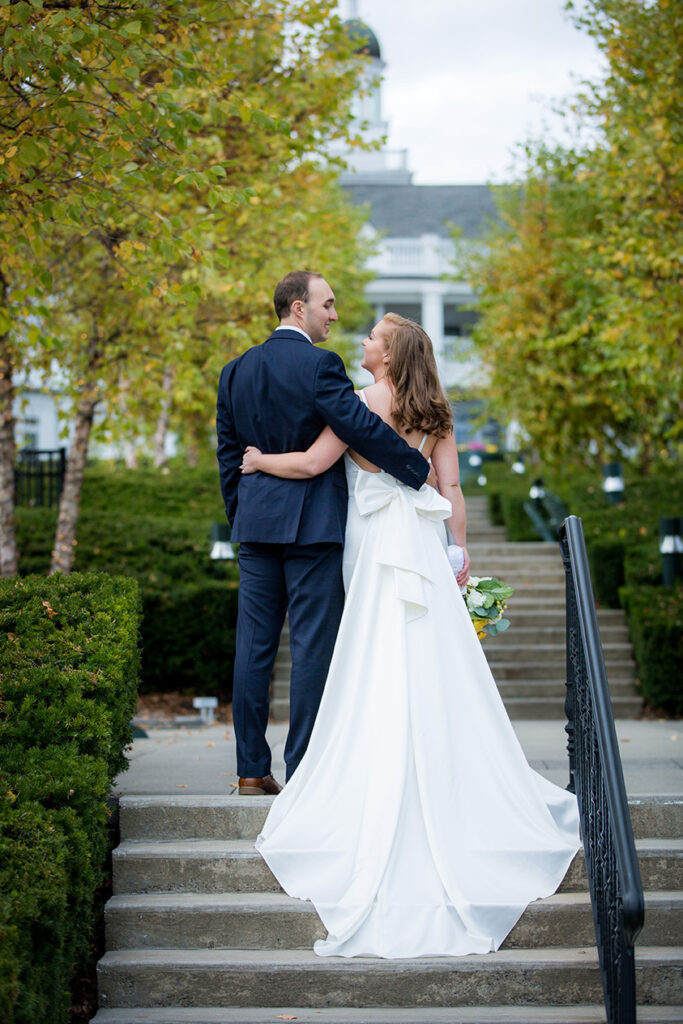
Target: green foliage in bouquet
point(486, 600)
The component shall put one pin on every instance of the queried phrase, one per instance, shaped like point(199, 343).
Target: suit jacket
point(279, 396)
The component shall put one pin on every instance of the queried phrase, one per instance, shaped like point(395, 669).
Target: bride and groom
point(413, 821)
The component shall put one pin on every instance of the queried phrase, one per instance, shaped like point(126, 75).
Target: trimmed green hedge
point(155, 525)
point(655, 616)
point(69, 665)
point(188, 638)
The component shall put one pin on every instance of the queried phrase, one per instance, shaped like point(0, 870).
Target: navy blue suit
point(279, 396)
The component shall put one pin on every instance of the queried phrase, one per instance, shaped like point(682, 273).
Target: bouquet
point(486, 598)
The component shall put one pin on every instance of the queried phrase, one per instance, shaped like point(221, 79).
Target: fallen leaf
point(181, 785)
point(624, 740)
point(211, 744)
point(286, 1016)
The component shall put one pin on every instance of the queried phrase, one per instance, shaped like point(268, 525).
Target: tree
point(151, 126)
point(579, 283)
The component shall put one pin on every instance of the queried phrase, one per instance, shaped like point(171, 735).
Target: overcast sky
point(468, 79)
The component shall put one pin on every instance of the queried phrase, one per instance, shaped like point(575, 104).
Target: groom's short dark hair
point(292, 287)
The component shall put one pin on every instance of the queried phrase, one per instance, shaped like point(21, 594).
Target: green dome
point(364, 38)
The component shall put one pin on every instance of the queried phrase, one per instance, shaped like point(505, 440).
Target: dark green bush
point(606, 559)
point(655, 616)
point(189, 638)
point(68, 684)
point(517, 522)
point(155, 526)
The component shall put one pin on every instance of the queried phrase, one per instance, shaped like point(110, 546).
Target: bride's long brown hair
point(419, 402)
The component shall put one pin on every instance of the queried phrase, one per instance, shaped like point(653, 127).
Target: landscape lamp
point(221, 548)
point(613, 482)
point(671, 548)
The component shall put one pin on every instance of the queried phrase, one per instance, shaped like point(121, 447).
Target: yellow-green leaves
point(580, 289)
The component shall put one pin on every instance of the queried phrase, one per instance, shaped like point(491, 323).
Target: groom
point(279, 396)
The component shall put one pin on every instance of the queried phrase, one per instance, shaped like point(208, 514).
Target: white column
point(432, 318)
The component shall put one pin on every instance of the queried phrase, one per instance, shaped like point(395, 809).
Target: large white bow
point(400, 541)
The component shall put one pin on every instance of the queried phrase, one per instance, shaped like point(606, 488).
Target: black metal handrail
point(39, 476)
point(596, 776)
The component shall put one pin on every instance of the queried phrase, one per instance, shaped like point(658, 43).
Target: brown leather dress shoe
point(266, 786)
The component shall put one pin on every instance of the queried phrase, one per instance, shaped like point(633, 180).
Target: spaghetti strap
point(424, 438)
point(361, 395)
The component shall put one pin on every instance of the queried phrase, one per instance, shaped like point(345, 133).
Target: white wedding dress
point(414, 822)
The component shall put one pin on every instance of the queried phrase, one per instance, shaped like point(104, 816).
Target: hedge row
point(69, 667)
point(655, 618)
point(622, 542)
point(156, 526)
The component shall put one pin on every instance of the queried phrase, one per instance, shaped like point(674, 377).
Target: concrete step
point(552, 708)
point(268, 920)
point(548, 634)
point(380, 1015)
point(234, 865)
point(526, 549)
point(518, 706)
point(509, 647)
point(556, 617)
point(208, 817)
point(179, 817)
point(556, 689)
point(525, 668)
point(226, 977)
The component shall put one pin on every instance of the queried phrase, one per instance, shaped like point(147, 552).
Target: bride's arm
point(322, 454)
point(445, 463)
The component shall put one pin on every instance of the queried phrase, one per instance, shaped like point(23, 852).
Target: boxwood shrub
point(655, 616)
point(156, 526)
point(69, 665)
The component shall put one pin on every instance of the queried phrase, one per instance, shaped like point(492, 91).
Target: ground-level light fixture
point(537, 490)
point(221, 548)
point(671, 548)
point(613, 482)
point(206, 707)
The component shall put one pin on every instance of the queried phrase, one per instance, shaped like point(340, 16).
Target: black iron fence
point(596, 776)
point(39, 476)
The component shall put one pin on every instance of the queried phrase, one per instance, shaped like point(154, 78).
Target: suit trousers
point(307, 579)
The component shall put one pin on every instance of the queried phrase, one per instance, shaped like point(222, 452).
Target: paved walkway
point(201, 760)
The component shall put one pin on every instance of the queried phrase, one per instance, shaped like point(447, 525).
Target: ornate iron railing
point(596, 776)
point(39, 476)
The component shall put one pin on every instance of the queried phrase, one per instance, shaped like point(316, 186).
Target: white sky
point(467, 80)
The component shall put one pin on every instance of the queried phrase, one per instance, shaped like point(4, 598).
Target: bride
point(413, 823)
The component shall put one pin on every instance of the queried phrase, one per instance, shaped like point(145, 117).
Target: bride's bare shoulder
point(378, 397)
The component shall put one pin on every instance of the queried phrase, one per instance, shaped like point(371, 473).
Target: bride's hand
point(464, 573)
point(250, 459)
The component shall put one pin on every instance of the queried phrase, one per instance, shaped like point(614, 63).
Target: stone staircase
point(528, 661)
point(198, 931)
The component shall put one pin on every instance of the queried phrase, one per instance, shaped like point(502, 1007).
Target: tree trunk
point(164, 420)
point(129, 441)
point(70, 502)
point(9, 554)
